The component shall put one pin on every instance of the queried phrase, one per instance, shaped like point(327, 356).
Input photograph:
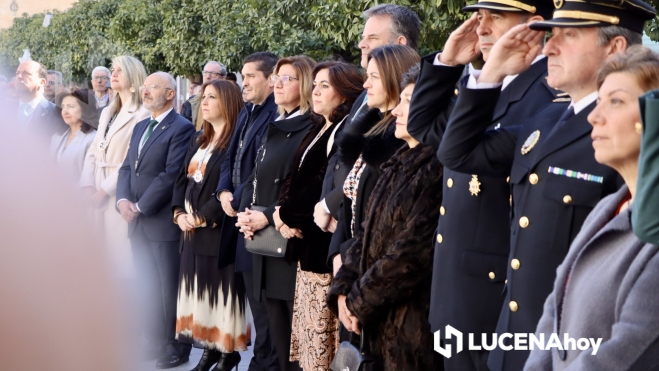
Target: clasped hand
point(251, 221)
point(349, 321)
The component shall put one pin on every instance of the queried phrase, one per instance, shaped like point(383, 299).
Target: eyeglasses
point(213, 74)
point(285, 79)
point(100, 78)
point(151, 87)
point(52, 83)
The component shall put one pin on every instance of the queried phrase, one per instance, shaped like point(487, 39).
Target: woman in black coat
point(336, 86)
point(369, 141)
point(383, 288)
point(211, 307)
point(273, 276)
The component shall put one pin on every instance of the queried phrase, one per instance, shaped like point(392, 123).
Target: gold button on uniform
point(567, 199)
point(523, 222)
point(515, 264)
point(442, 210)
point(533, 178)
point(491, 275)
point(449, 182)
point(456, 91)
point(513, 306)
point(439, 238)
point(508, 180)
point(511, 200)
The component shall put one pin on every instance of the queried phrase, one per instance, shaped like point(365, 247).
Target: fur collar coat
point(387, 272)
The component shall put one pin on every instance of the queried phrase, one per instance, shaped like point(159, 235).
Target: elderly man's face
point(156, 92)
point(212, 72)
point(99, 81)
point(27, 78)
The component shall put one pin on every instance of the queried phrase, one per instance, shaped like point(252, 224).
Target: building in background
point(10, 9)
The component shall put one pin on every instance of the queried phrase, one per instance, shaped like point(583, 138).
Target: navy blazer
point(252, 143)
point(469, 269)
point(548, 208)
point(149, 178)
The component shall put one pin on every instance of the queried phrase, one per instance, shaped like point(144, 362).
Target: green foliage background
point(180, 35)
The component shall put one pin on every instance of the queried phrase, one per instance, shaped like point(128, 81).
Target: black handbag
point(349, 358)
point(267, 241)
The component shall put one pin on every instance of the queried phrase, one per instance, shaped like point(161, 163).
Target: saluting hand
point(462, 45)
point(512, 54)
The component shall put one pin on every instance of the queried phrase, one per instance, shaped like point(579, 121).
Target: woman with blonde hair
point(274, 277)
point(107, 153)
point(606, 288)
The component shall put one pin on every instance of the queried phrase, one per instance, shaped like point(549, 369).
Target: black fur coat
point(387, 272)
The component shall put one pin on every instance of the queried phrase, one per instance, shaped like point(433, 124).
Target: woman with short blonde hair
point(606, 288)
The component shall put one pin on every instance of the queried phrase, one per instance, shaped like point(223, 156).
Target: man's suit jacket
point(470, 268)
point(251, 144)
point(549, 205)
point(148, 178)
point(45, 120)
point(337, 172)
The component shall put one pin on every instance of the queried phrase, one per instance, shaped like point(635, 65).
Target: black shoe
point(208, 359)
point(171, 361)
point(227, 361)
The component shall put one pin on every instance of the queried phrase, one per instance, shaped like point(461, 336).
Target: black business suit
point(274, 278)
point(469, 269)
point(148, 179)
point(547, 209)
point(265, 357)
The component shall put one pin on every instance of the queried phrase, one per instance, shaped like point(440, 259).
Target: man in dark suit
point(554, 178)
point(469, 269)
point(35, 113)
point(385, 24)
point(237, 167)
point(144, 192)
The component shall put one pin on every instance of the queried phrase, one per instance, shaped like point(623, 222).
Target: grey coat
point(612, 293)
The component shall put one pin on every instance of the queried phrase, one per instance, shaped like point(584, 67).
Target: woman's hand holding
point(288, 232)
point(278, 222)
point(183, 223)
point(251, 221)
point(350, 322)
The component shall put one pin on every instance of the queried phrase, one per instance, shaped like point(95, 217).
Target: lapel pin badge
point(530, 142)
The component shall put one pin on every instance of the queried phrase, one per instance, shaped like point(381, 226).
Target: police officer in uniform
point(554, 178)
point(472, 243)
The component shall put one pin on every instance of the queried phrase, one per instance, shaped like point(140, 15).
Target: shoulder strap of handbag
point(256, 171)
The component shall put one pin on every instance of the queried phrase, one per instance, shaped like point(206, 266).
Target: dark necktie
point(568, 114)
point(149, 131)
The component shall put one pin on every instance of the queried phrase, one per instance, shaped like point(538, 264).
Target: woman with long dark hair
point(211, 310)
point(383, 288)
point(315, 329)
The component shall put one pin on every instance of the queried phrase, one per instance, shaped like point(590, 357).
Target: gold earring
point(132, 89)
point(639, 127)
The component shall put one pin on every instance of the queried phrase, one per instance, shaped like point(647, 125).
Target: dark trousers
point(467, 360)
point(281, 325)
point(157, 267)
point(265, 356)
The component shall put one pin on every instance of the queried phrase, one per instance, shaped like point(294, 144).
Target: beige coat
point(101, 170)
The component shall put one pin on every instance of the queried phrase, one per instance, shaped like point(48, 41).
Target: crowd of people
point(322, 203)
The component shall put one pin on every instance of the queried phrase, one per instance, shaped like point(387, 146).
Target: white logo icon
point(450, 331)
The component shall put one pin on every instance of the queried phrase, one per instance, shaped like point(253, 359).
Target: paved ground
point(194, 358)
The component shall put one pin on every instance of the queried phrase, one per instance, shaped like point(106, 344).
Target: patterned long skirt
point(315, 336)
point(212, 309)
